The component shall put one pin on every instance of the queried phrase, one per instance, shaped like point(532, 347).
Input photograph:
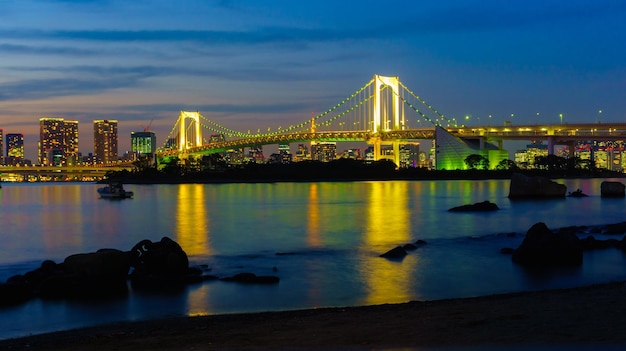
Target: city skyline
point(253, 65)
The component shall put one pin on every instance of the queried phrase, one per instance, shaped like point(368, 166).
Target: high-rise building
point(256, 154)
point(284, 153)
point(409, 155)
point(302, 153)
point(143, 143)
point(15, 148)
point(324, 151)
point(71, 142)
point(52, 141)
point(105, 140)
point(1, 147)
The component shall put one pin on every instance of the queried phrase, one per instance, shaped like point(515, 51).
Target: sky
point(251, 64)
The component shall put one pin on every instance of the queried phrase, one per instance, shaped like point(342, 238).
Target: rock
point(420, 242)
point(158, 263)
point(523, 186)
point(251, 278)
point(542, 247)
point(616, 228)
point(484, 206)
point(14, 294)
point(396, 252)
point(104, 267)
point(165, 257)
point(576, 193)
point(409, 247)
point(612, 189)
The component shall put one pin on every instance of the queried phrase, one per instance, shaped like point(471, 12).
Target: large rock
point(543, 247)
point(484, 206)
point(158, 262)
point(396, 252)
point(612, 189)
point(103, 267)
point(523, 186)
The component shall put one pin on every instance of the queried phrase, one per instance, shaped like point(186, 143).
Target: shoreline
point(581, 316)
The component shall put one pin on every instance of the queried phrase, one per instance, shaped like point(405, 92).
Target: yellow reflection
point(313, 217)
point(388, 223)
point(60, 228)
point(198, 301)
point(192, 219)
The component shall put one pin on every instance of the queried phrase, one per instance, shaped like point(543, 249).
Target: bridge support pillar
point(571, 150)
point(550, 145)
point(379, 151)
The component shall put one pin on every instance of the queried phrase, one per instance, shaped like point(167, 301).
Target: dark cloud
point(268, 35)
point(43, 50)
point(89, 80)
point(81, 80)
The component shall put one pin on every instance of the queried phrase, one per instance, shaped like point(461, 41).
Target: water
point(332, 234)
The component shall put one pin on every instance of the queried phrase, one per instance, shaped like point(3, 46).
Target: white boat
point(114, 190)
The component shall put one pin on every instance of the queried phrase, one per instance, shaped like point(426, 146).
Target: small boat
point(114, 190)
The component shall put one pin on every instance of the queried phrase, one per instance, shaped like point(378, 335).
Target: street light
point(599, 115)
point(561, 117)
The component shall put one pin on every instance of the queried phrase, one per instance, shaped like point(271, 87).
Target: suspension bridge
point(383, 113)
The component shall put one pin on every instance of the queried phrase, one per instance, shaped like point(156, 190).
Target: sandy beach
point(591, 317)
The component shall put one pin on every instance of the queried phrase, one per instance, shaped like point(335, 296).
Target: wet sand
point(592, 317)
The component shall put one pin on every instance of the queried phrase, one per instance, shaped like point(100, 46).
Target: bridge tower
point(195, 139)
point(386, 119)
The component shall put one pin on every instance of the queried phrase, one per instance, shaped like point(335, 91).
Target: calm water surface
point(334, 233)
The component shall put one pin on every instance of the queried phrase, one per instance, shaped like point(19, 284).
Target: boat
point(114, 190)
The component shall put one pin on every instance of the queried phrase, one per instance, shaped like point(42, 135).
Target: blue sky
point(256, 64)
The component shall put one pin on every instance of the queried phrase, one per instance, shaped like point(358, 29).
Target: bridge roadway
point(559, 134)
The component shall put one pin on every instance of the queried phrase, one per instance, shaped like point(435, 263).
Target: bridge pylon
point(386, 120)
point(196, 133)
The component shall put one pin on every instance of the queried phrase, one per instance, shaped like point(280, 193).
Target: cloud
point(79, 80)
point(89, 80)
point(266, 35)
point(43, 50)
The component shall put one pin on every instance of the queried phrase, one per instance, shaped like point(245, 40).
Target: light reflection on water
point(330, 234)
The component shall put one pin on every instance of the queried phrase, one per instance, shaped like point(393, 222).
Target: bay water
point(323, 241)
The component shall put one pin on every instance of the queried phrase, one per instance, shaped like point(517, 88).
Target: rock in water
point(523, 186)
point(543, 247)
point(158, 262)
point(484, 206)
point(396, 252)
point(612, 189)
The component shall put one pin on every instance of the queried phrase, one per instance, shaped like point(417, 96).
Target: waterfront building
point(369, 154)
point(15, 148)
point(450, 151)
point(409, 155)
point(234, 157)
point(72, 156)
point(354, 154)
point(603, 154)
point(52, 141)
point(256, 154)
point(143, 143)
point(323, 151)
point(1, 147)
point(105, 140)
point(284, 153)
point(525, 159)
point(302, 153)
